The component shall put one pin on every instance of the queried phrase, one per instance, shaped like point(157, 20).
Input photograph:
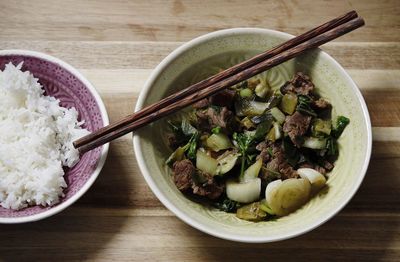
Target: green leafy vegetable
point(262, 118)
point(291, 153)
point(244, 142)
point(274, 100)
point(304, 105)
point(227, 205)
point(216, 130)
point(262, 129)
point(187, 128)
point(248, 107)
point(341, 124)
point(192, 146)
point(332, 147)
point(176, 156)
point(182, 131)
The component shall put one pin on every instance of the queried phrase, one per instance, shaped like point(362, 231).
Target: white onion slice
point(290, 195)
point(244, 192)
point(316, 179)
point(271, 190)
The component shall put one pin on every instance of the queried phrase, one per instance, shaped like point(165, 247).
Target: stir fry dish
point(254, 151)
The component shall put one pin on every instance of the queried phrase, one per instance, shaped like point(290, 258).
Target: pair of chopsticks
point(231, 76)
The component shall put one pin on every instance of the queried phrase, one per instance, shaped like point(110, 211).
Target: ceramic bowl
point(206, 55)
point(65, 83)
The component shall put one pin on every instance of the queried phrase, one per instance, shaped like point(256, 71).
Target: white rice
point(36, 136)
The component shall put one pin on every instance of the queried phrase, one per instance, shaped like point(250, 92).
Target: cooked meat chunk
point(223, 98)
point(223, 118)
point(303, 84)
point(288, 87)
point(279, 163)
point(203, 103)
point(210, 188)
point(211, 117)
point(328, 165)
point(171, 140)
point(263, 145)
point(264, 154)
point(300, 84)
point(182, 174)
point(321, 104)
point(318, 168)
point(202, 120)
point(296, 126)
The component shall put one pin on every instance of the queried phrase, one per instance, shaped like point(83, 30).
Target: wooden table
point(116, 44)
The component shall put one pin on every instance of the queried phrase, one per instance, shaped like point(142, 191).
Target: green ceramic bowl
point(204, 56)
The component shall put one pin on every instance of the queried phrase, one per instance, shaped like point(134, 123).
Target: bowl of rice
point(45, 105)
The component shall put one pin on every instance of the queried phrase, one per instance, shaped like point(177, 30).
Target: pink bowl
point(65, 83)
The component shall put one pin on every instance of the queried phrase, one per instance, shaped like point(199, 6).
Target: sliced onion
point(226, 162)
point(252, 171)
point(278, 115)
point(290, 195)
point(316, 179)
point(244, 192)
point(314, 143)
point(271, 190)
point(217, 142)
point(206, 163)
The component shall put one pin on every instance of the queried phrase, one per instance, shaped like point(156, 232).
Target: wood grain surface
point(116, 44)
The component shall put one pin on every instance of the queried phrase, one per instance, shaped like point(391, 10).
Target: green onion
point(341, 124)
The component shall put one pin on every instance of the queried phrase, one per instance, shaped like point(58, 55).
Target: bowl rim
point(104, 152)
point(203, 227)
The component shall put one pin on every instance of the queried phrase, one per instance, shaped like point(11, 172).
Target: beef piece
point(210, 188)
point(202, 120)
point(321, 104)
point(288, 87)
point(306, 165)
point(320, 169)
point(328, 165)
point(171, 140)
point(211, 117)
point(183, 171)
point(303, 84)
point(223, 118)
point(263, 145)
point(296, 126)
point(300, 84)
point(203, 103)
point(279, 163)
point(223, 98)
point(316, 167)
point(287, 171)
point(264, 155)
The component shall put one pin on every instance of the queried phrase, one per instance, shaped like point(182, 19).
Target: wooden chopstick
point(203, 89)
point(215, 78)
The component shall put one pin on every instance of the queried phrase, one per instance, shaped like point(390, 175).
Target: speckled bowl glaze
point(65, 83)
point(202, 57)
